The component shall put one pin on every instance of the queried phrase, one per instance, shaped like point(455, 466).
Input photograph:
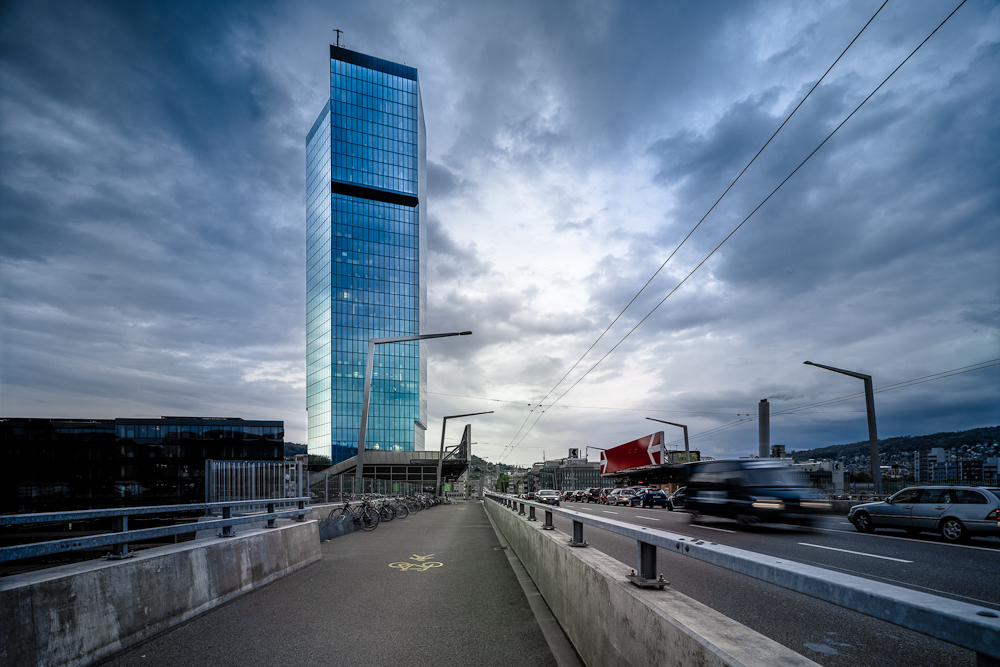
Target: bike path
point(435, 588)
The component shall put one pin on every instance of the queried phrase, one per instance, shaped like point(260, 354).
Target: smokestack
point(764, 429)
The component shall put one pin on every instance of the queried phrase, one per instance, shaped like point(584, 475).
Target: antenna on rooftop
point(338, 31)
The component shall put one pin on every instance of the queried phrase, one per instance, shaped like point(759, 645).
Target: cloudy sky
point(152, 212)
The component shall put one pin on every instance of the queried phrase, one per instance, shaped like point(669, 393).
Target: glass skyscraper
point(366, 244)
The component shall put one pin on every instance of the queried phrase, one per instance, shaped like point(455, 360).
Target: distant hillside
point(293, 448)
point(906, 443)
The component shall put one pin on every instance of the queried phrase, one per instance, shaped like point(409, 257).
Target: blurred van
point(752, 491)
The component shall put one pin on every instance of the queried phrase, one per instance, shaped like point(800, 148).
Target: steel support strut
point(522, 510)
point(548, 521)
point(577, 540)
point(120, 550)
point(227, 531)
point(271, 520)
point(531, 514)
point(644, 574)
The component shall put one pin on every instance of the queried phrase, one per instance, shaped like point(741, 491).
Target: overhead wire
point(712, 208)
point(740, 225)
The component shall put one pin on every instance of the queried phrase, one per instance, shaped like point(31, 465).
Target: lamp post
point(870, 408)
point(444, 425)
point(369, 364)
point(687, 447)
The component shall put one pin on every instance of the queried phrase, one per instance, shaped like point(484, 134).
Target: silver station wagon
point(956, 512)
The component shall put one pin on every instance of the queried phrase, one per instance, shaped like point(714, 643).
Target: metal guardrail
point(967, 625)
point(121, 535)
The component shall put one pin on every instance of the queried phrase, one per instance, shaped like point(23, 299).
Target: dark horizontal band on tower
point(360, 191)
point(371, 62)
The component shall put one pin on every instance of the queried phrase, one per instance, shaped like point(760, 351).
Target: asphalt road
point(823, 632)
point(432, 589)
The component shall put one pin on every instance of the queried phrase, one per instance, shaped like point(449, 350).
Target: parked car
point(548, 496)
point(676, 500)
point(956, 512)
point(752, 491)
point(650, 498)
point(620, 497)
point(593, 495)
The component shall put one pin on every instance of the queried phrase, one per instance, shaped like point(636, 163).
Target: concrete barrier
point(612, 622)
point(77, 614)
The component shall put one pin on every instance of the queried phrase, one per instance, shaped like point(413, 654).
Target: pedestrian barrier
point(120, 536)
point(967, 625)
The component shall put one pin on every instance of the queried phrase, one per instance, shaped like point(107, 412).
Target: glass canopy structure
point(366, 245)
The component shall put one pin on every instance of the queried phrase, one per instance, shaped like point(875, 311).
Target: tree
point(502, 483)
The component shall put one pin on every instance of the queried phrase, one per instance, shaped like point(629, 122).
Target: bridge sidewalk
point(450, 599)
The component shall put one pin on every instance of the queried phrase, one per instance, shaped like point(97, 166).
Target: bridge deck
point(451, 599)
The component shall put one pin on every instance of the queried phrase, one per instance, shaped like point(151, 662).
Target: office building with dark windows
point(366, 245)
point(74, 464)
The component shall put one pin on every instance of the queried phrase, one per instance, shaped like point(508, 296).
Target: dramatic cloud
point(152, 180)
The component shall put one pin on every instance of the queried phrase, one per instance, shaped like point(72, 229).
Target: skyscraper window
point(366, 246)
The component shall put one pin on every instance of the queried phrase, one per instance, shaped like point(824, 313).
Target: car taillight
point(993, 516)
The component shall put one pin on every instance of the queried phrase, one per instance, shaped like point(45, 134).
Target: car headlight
point(768, 504)
point(816, 504)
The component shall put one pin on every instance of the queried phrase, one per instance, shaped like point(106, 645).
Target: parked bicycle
point(365, 514)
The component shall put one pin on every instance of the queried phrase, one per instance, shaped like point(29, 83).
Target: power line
point(737, 228)
point(583, 407)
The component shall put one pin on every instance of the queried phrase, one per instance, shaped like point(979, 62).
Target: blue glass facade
point(365, 251)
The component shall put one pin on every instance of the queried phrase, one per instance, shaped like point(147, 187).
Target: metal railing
point(120, 536)
point(253, 481)
point(967, 625)
point(327, 488)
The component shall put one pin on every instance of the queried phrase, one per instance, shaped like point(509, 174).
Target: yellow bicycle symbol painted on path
point(421, 566)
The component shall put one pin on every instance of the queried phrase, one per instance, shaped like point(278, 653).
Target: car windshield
point(770, 477)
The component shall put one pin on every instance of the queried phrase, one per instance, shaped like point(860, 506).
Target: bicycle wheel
point(369, 519)
point(401, 511)
point(338, 511)
point(385, 513)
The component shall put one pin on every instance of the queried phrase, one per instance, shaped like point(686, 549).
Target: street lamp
point(444, 425)
point(370, 363)
point(687, 447)
point(870, 408)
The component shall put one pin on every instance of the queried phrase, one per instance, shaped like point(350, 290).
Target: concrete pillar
point(764, 429)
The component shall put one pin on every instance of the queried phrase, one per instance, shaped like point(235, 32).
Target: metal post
point(663, 441)
point(341, 476)
point(119, 550)
point(870, 409)
point(208, 485)
point(548, 521)
point(298, 483)
point(326, 487)
point(270, 520)
point(577, 540)
point(644, 575)
point(369, 364)
point(227, 513)
point(522, 510)
point(531, 514)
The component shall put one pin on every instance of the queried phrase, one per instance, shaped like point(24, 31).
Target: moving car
point(956, 512)
point(548, 496)
point(620, 497)
point(752, 491)
point(593, 495)
point(676, 500)
point(650, 498)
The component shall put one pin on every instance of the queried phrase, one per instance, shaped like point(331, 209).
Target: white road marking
point(721, 530)
point(609, 512)
point(589, 509)
point(646, 517)
point(909, 539)
point(856, 553)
